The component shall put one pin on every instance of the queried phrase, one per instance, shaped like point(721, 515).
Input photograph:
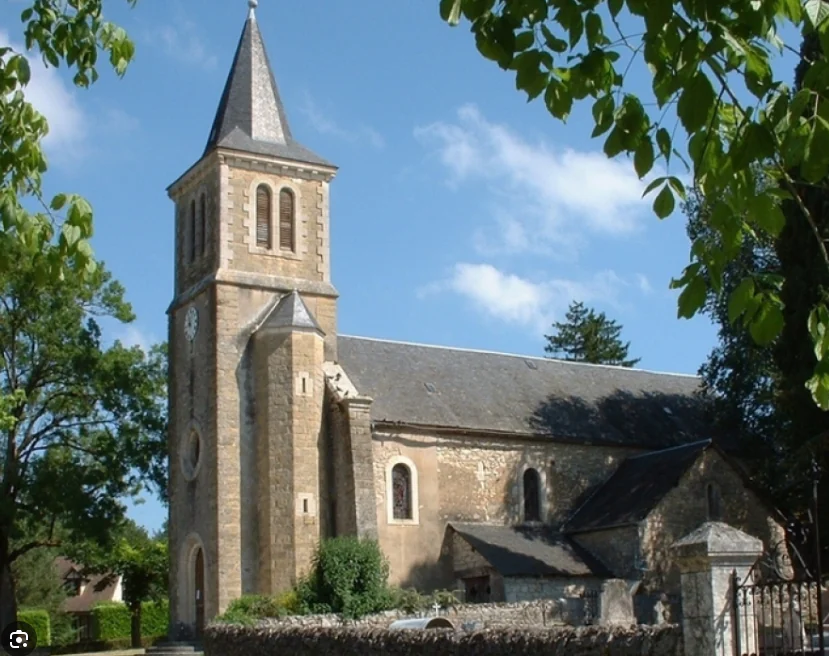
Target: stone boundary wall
point(525, 614)
point(234, 640)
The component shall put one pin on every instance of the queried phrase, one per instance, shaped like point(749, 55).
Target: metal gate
point(777, 617)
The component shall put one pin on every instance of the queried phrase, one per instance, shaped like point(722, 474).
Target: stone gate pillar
point(707, 559)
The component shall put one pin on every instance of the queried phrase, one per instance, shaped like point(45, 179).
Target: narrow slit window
point(263, 216)
point(287, 223)
point(532, 496)
point(202, 224)
point(191, 238)
point(402, 492)
point(714, 502)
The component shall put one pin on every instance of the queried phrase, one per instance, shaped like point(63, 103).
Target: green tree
point(710, 67)
point(141, 562)
point(758, 391)
point(73, 34)
point(88, 423)
point(56, 234)
point(805, 285)
point(588, 336)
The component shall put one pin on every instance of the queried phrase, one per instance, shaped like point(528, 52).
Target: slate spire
point(251, 117)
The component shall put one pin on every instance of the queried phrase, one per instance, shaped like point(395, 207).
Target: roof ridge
point(525, 357)
point(658, 452)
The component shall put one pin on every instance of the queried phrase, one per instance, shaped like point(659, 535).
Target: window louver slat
point(263, 216)
point(286, 219)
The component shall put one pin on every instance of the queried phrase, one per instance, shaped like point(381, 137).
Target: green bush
point(348, 576)
point(411, 601)
point(112, 621)
point(248, 609)
point(39, 621)
point(155, 618)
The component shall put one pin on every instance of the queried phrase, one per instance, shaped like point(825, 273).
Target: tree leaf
point(767, 323)
point(663, 204)
point(765, 211)
point(524, 40)
point(450, 11)
point(815, 163)
point(643, 157)
point(739, 299)
point(663, 140)
point(817, 11)
point(691, 298)
point(696, 102)
point(615, 6)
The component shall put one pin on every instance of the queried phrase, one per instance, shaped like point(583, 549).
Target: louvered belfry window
point(191, 238)
point(202, 224)
point(263, 216)
point(286, 219)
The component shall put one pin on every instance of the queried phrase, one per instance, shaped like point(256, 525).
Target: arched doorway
point(198, 578)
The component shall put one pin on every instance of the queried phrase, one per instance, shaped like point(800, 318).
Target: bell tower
point(252, 320)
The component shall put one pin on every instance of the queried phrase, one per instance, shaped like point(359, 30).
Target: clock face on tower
point(191, 324)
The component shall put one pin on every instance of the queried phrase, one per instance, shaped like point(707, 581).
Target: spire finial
point(253, 4)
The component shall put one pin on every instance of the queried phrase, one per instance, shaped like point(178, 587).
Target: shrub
point(249, 608)
point(289, 600)
point(411, 601)
point(349, 576)
point(39, 621)
point(408, 600)
point(155, 618)
point(112, 621)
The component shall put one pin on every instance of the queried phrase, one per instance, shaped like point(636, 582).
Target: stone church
point(501, 476)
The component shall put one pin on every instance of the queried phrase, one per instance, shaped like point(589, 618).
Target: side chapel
point(502, 476)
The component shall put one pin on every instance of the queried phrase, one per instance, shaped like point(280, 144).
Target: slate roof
point(525, 551)
point(635, 488)
point(251, 117)
point(98, 588)
point(291, 312)
point(474, 390)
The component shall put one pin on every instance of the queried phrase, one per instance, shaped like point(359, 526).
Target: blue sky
point(461, 215)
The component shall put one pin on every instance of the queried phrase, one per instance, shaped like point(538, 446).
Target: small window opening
point(532, 494)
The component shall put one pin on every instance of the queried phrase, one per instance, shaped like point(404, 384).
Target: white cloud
point(131, 335)
point(326, 125)
point(542, 198)
point(53, 98)
point(519, 301)
point(644, 284)
point(183, 42)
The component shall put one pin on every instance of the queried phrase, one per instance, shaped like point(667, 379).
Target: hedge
point(39, 620)
point(155, 619)
point(113, 621)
